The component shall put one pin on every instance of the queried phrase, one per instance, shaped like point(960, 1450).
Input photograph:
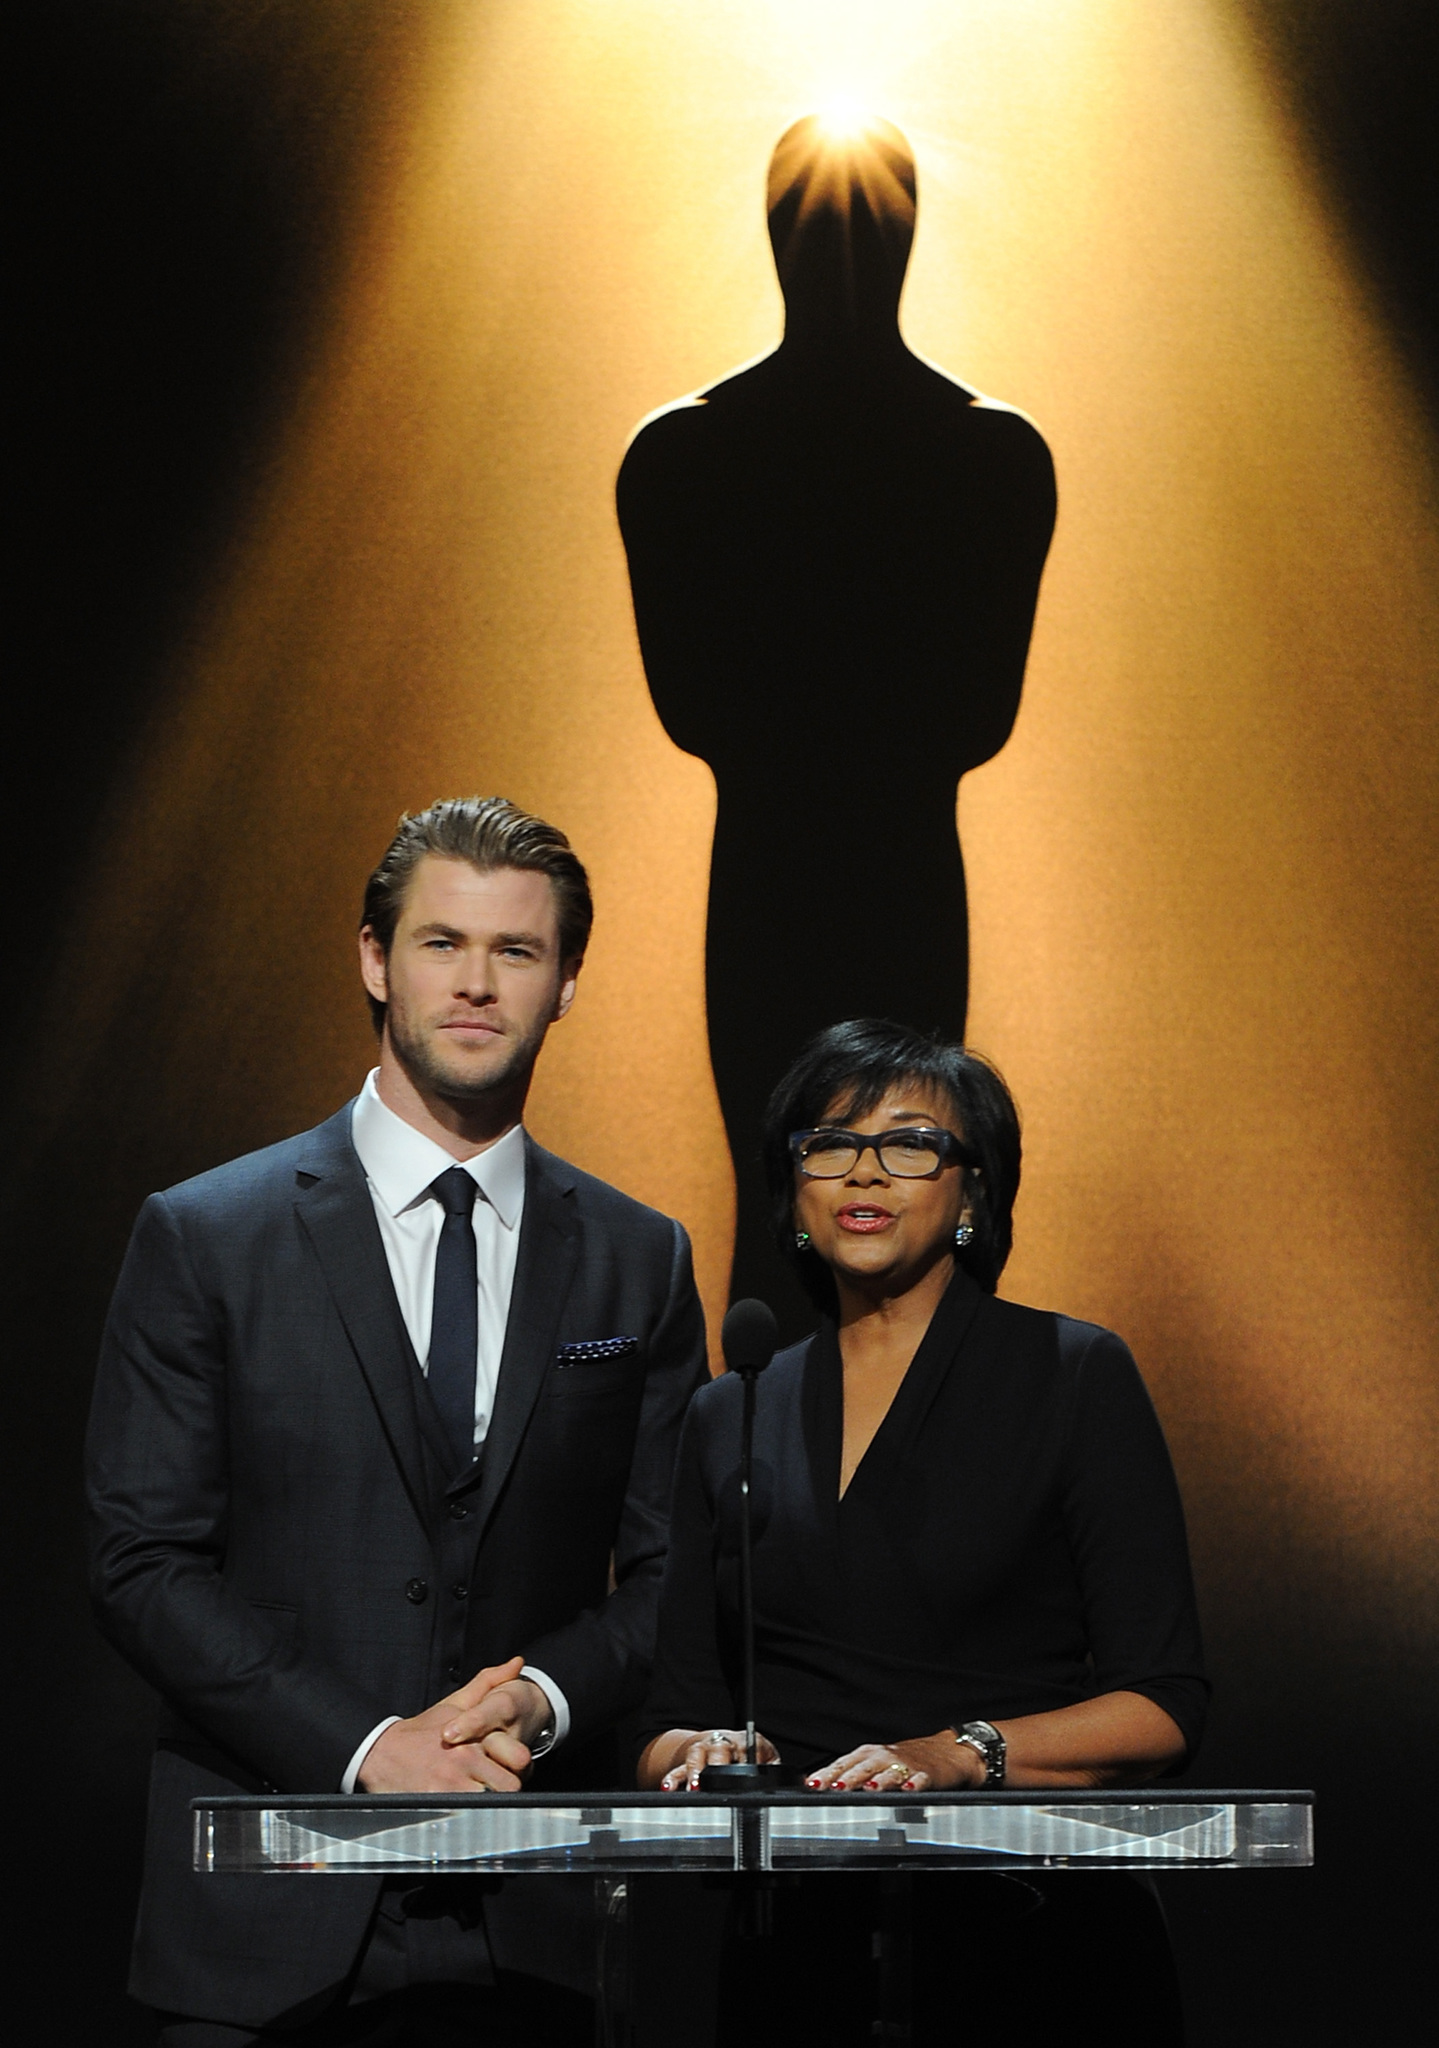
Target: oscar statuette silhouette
point(834, 557)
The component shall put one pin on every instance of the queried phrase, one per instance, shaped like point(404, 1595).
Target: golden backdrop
point(1203, 870)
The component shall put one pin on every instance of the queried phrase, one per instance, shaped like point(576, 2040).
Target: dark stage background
point(335, 319)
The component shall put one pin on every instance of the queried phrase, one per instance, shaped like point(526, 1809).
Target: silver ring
point(716, 1735)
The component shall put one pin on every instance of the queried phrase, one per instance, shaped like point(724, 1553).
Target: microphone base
point(748, 1777)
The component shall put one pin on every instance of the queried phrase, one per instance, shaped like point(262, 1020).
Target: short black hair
point(489, 832)
point(853, 1066)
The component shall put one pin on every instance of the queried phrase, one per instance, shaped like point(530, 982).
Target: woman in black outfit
point(970, 1564)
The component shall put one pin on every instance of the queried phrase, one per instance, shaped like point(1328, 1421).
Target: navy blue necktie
point(455, 1320)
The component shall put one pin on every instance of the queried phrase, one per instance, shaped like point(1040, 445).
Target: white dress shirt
point(400, 1165)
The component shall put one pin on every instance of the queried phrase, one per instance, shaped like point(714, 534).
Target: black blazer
point(279, 1548)
point(1012, 1541)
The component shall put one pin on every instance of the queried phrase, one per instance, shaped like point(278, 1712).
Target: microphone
point(749, 1336)
point(749, 1339)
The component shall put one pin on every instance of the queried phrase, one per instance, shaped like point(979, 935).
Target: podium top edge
point(352, 1802)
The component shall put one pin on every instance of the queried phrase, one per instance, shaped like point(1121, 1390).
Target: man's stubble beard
point(417, 1056)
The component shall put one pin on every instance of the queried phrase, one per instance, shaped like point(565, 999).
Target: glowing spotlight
point(844, 119)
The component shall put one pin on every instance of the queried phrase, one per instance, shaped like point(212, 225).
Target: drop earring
point(964, 1235)
point(801, 1240)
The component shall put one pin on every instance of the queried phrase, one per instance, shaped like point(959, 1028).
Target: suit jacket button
point(417, 1591)
point(458, 1512)
point(461, 1591)
point(454, 1674)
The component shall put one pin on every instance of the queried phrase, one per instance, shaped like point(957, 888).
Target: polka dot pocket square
point(595, 1349)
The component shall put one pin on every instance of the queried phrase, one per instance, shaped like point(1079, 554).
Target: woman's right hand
point(715, 1746)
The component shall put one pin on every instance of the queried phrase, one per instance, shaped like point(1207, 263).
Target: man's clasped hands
point(478, 1739)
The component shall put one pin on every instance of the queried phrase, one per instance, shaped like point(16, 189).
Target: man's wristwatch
point(986, 1738)
point(544, 1741)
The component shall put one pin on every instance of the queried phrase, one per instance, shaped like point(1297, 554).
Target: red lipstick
point(863, 1217)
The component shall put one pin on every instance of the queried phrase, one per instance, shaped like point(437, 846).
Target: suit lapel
point(544, 1268)
point(336, 1212)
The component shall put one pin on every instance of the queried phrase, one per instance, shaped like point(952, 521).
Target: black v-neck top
point(1011, 1541)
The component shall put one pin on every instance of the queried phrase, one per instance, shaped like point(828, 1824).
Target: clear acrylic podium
point(754, 1837)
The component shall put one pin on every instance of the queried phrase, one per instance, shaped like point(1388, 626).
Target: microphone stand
point(746, 1568)
point(749, 1341)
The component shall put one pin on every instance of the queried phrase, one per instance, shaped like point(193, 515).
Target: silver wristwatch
point(986, 1738)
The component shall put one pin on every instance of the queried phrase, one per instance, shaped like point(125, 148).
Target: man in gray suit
point(379, 1468)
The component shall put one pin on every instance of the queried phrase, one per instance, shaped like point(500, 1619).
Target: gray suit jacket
point(280, 1549)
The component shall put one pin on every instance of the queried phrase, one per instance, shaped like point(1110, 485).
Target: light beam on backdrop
point(843, 118)
point(1204, 920)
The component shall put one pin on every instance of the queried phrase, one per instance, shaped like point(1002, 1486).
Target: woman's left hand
point(927, 1763)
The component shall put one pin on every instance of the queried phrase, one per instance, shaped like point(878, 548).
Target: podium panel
point(510, 1834)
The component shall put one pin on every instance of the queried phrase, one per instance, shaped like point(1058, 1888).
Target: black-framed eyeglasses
point(914, 1152)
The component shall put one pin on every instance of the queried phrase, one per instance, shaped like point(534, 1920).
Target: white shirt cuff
point(559, 1707)
point(356, 1763)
